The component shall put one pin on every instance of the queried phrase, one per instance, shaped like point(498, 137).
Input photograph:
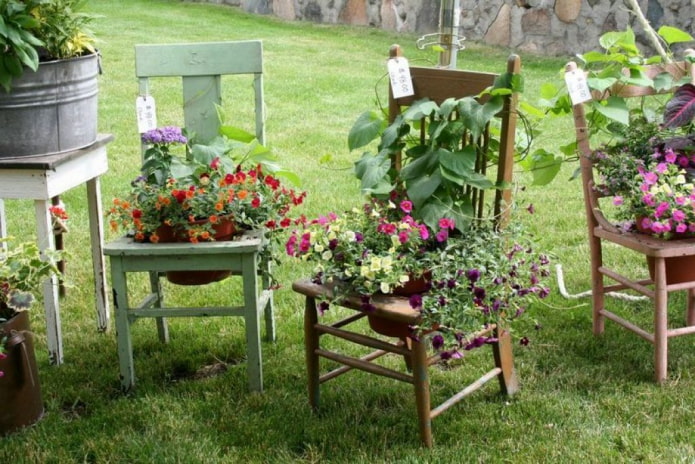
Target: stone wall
point(557, 27)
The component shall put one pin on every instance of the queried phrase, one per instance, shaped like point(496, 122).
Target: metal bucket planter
point(51, 110)
point(20, 391)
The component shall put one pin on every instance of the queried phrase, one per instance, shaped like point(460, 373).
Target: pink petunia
point(406, 206)
point(446, 223)
point(617, 200)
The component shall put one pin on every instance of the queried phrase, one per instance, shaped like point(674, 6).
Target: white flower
point(375, 264)
point(350, 236)
point(327, 255)
point(404, 278)
point(384, 287)
point(318, 248)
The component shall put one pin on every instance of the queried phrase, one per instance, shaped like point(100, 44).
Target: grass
point(583, 399)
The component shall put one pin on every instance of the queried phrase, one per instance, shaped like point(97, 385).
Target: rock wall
point(557, 27)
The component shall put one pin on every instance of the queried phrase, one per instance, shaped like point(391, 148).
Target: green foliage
point(22, 271)
point(41, 30)
point(434, 173)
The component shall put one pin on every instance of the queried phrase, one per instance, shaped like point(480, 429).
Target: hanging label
point(399, 73)
point(577, 86)
point(146, 113)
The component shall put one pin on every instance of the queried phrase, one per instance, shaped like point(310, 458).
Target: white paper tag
point(399, 73)
point(146, 113)
point(577, 86)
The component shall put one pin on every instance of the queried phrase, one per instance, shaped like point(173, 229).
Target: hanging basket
point(20, 391)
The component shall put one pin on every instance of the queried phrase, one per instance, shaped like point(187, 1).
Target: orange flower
point(242, 194)
point(205, 235)
point(139, 237)
point(214, 219)
point(154, 238)
point(219, 206)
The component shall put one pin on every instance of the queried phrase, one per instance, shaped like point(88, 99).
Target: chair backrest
point(439, 84)
point(591, 195)
point(201, 66)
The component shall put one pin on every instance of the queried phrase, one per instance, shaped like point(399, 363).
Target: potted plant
point(48, 76)
point(459, 283)
point(203, 192)
point(22, 271)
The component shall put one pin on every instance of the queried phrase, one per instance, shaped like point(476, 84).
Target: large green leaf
point(421, 166)
point(458, 164)
point(420, 109)
point(236, 133)
point(365, 129)
point(475, 116)
point(372, 169)
point(543, 165)
point(674, 35)
point(420, 190)
point(615, 109)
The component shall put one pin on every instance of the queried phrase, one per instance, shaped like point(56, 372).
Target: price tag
point(577, 86)
point(146, 113)
point(399, 73)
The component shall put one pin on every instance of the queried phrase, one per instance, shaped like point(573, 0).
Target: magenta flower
point(406, 206)
point(446, 223)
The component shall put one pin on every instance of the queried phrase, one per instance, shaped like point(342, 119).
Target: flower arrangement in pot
point(204, 192)
point(22, 271)
point(460, 285)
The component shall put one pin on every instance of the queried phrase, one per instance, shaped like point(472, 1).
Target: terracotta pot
point(225, 230)
point(20, 391)
point(388, 327)
point(415, 285)
point(679, 269)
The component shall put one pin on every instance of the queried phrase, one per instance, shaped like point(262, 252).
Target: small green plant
point(22, 271)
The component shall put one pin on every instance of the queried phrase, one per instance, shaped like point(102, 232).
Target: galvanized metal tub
point(51, 110)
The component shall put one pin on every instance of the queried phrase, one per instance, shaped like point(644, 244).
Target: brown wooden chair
point(658, 251)
point(437, 85)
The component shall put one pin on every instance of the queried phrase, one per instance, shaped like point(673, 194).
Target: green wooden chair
point(201, 67)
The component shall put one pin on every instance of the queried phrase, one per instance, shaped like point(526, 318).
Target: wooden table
point(41, 178)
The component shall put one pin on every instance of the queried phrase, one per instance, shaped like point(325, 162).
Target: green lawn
point(582, 399)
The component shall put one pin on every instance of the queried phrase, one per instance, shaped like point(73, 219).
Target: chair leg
point(123, 338)
point(156, 289)
point(660, 321)
point(311, 344)
point(269, 308)
point(252, 322)
point(690, 310)
point(422, 391)
point(504, 359)
point(597, 293)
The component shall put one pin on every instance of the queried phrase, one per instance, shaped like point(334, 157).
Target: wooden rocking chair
point(437, 85)
point(657, 250)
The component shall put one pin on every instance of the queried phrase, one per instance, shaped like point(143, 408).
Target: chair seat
point(395, 308)
point(648, 245)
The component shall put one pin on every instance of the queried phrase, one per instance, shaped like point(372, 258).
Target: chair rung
point(187, 312)
point(362, 339)
point(627, 282)
point(343, 369)
point(365, 366)
point(465, 392)
point(681, 331)
point(628, 325)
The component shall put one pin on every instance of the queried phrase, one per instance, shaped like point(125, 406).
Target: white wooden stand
point(41, 178)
